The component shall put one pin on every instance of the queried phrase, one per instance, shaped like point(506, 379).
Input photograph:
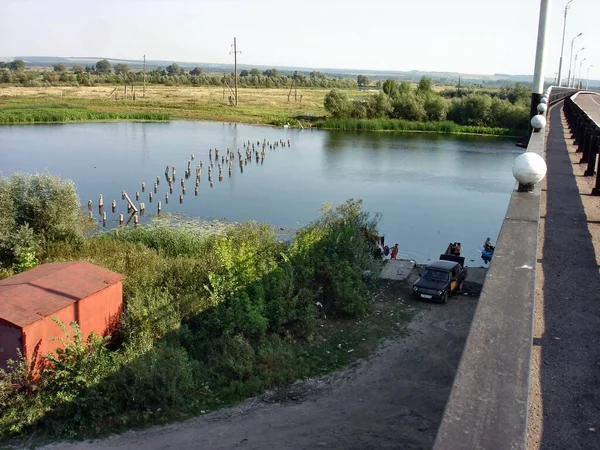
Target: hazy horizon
point(463, 36)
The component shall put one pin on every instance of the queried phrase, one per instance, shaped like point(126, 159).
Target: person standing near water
point(394, 251)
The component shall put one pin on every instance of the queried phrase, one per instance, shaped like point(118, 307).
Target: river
point(431, 189)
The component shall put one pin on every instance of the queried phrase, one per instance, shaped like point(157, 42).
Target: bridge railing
point(586, 133)
point(488, 405)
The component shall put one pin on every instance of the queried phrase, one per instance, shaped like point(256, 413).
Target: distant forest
point(172, 75)
point(103, 72)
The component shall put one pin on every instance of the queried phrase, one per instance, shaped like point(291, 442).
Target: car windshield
point(437, 275)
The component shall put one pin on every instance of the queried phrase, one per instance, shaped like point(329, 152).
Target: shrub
point(36, 209)
point(408, 107)
point(226, 315)
point(337, 103)
point(436, 108)
point(334, 250)
point(378, 106)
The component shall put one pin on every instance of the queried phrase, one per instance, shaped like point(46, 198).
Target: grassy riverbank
point(405, 125)
point(64, 114)
point(208, 319)
point(256, 106)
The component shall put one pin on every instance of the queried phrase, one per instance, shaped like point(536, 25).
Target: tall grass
point(405, 125)
point(207, 320)
point(69, 114)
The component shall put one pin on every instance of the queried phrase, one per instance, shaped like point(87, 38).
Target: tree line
point(504, 108)
point(172, 75)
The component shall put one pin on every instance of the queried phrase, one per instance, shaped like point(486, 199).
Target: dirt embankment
point(394, 399)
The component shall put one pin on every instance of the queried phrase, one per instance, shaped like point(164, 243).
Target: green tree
point(337, 104)
point(36, 209)
point(174, 69)
point(408, 107)
point(50, 77)
point(359, 109)
point(390, 88)
point(362, 80)
point(404, 88)
point(60, 67)
point(504, 114)
point(255, 73)
point(436, 108)
point(271, 73)
point(244, 73)
point(78, 69)
point(121, 69)
point(196, 71)
point(425, 85)
point(518, 94)
point(378, 106)
point(103, 66)
point(474, 109)
point(17, 65)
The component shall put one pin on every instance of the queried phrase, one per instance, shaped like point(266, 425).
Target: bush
point(408, 107)
point(334, 250)
point(37, 209)
point(436, 108)
point(337, 103)
point(378, 106)
point(474, 109)
point(205, 320)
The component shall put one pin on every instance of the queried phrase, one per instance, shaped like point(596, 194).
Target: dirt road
point(395, 399)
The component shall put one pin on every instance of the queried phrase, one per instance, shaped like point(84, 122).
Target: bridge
point(529, 376)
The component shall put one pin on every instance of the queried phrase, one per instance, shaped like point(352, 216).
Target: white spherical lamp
point(538, 122)
point(544, 100)
point(542, 108)
point(529, 169)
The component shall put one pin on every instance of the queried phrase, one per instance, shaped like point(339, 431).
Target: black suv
point(439, 280)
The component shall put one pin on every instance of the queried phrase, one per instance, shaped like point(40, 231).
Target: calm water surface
point(431, 189)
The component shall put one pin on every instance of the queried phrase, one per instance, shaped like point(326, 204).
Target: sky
point(466, 36)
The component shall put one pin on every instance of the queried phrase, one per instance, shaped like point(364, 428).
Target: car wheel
point(445, 297)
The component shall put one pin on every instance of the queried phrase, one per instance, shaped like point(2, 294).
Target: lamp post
point(562, 47)
point(587, 78)
point(575, 67)
point(571, 60)
point(578, 85)
point(538, 73)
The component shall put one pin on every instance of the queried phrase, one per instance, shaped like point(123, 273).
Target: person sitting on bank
point(488, 245)
point(395, 249)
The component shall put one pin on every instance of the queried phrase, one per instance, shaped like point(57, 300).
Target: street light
point(562, 47)
point(579, 79)
point(571, 60)
point(587, 78)
point(575, 66)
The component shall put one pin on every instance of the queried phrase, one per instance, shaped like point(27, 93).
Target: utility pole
point(144, 88)
point(235, 52)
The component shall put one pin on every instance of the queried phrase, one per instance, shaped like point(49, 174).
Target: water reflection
point(431, 189)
